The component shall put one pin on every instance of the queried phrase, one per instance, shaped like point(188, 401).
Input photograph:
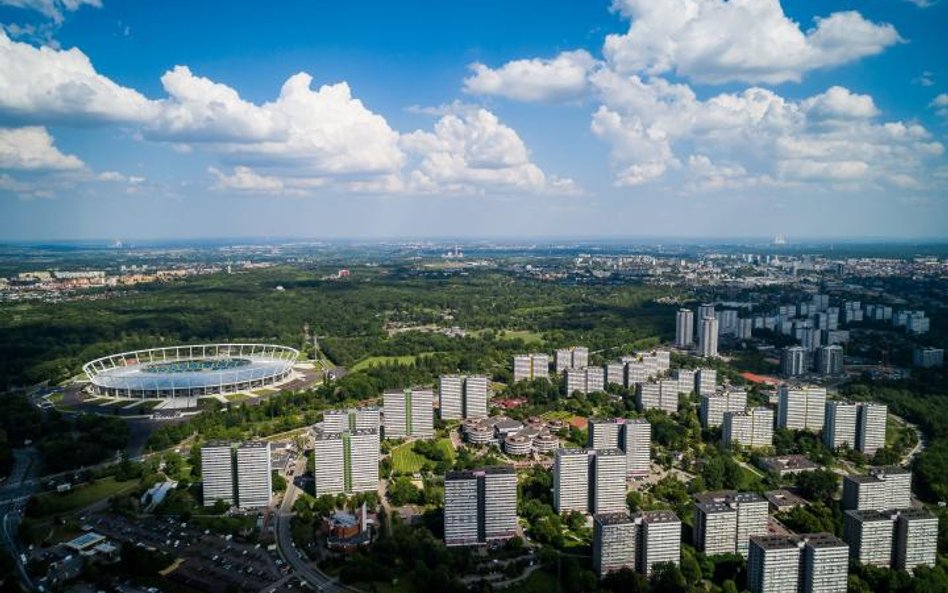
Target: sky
point(632, 118)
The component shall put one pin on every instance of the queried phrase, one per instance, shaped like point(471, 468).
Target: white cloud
point(246, 180)
point(52, 9)
point(563, 77)
point(31, 148)
point(755, 137)
point(45, 84)
point(940, 105)
point(716, 41)
point(474, 151)
point(923, 3)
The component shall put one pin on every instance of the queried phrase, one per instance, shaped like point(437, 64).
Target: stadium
point(190, 371)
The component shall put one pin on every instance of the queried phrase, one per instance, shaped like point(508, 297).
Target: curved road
point(291, 554)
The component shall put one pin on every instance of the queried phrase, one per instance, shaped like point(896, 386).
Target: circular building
point(478, 432)
point(517, 444)
point(546, 443)
point(190, 371)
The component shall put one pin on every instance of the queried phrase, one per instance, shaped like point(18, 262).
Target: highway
point(295, 558)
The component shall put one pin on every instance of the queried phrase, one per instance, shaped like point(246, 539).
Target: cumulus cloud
point(43, 84)
point(52, 9)
point(560, 78)
point(717, 41)
point(760, 137)
point(472, 151)
point(31, 148)
point(940, 105)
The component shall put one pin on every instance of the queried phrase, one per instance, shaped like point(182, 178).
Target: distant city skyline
point(473, 120)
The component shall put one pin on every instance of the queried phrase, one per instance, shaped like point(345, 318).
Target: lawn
point(54, 503)
point(373, 361)
point(445, 445)
point(406, 461)
point(530, 337)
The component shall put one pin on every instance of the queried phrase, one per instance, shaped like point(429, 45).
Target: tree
point(667, 578)
point(817, 485)
point(690, 568)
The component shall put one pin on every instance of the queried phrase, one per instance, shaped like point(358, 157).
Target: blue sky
point(635, 118)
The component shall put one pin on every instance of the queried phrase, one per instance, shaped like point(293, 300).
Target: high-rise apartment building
point(571, 480)
point(605, 433)
point(883, 488)
point(254, 476)
point(899, 538)
point(753, 428)
point(531, 366)
point(462, 396)
point(356, 418)
point(615, 373)
point(614, 543)
point(637, 446)
point(928, 357)
point(829, 360)
point(662, 395)
point(715, 528)
point(659, 539)
point(409, 412)
point(686, 380)
point(708, 344)
point(840, 427)
point(916, 539)
point(870, 429)
point(715, 405)
point(705, 311)
point(824, 564)
point(706, 381)
point(217, 472)
point(794, 361)
point(870, 536)
point(684, 328)
point(584, 380)
point(576, 357)
point(480, 506)
point(801, 408)
point(608, 481)
point(346, 462)
point(773, 564)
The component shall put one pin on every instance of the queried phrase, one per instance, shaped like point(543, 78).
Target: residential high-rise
point(898, 538)
point(659, 539)
point(825, 564)
point(840, 428)
point(714, 406)
point(571, 480)
point(708, 344)
point(794, 361)
point(480, 505)
point(705, 311)
point(928, 357)
point(883, 488)
point(576, 357)
point(706, 381)
point(869, 534)
point(684, 328)
point(801, 408)
point(451, 398)
point(531, 366)
point(343, 420)
point(346, 462)
point(686, 380)
point(745, 329)
point(408, 412)
point(217, 472)
point(715, 528)
point(871, 428)
point(605, 433)
point(463, 396)
point(753, 428)
point(916, 539)
point(254, 477)
point(615, 373)
point(727, 321)
point(584, 380)
point(614, 542)
point(608, 491)
point(773, 564)
point(637, 446)
point(662, 395)
point(748, 517)
point(829, 360)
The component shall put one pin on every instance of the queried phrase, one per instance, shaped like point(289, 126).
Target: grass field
point(406, 461)
point(372, 361)
point(445, 445)
point(530, 337)
point(557, 415)
point(54, 503)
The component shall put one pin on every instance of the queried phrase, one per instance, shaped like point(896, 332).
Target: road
point(14, 493)
point(920, 443)
point(295, 558)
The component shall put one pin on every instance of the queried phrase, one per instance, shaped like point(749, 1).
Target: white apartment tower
point(531, 366)
point(706, 381)
point(870, 428)
point(684, 328)
point(708, 344)
point(346, 462)
point(825, 564)
point(571, 480)
point(409, 412)
point(801, 408)
point(254, 476)
point(659, 539)
point(715, 405)
point(463, 396)
point(217, 471)
point(840, 429)
point(614, 543)
point(753, 428)
point(609, 471)
point(773, 564)
point(480, 506)
point(575, 357)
